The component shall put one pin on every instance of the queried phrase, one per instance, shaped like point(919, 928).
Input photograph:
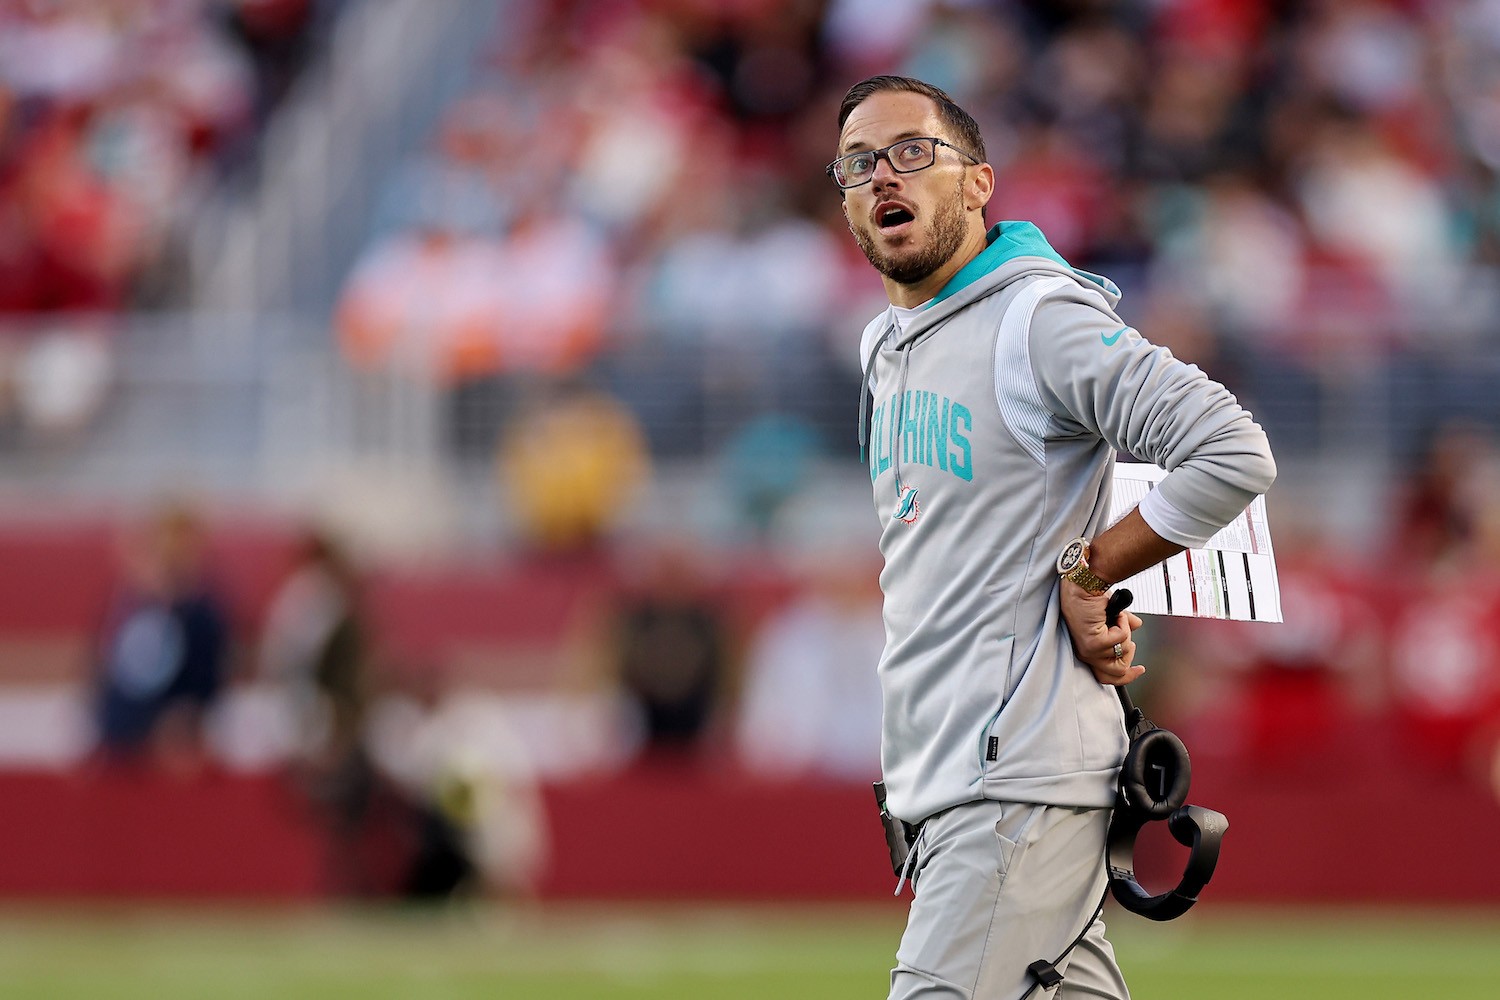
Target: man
point(1003, 385)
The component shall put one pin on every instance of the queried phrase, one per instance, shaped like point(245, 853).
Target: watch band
point(1087, 579)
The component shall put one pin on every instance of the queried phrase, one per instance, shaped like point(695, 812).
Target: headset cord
point(1044, 972)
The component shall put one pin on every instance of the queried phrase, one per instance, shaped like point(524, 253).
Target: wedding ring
point(1119, 651)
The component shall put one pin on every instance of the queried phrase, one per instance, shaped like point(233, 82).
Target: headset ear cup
point(1155, 776)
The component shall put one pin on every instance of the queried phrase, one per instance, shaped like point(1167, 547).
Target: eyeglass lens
point(904, 157)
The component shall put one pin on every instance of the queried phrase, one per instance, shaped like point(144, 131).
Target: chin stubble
point(947, 236)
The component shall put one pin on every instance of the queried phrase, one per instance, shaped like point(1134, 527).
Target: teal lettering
point(937, 429)
point(922, 427)
point(909, 427)
point(959, 413)
point(888, 434)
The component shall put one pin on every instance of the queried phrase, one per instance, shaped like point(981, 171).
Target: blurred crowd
point(1294, 194)
point(116, 116)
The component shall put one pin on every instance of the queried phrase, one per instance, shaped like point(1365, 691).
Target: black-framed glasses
point(905, 157)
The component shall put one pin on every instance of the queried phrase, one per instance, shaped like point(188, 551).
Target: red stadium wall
point(1353, 821)
point(666, 834)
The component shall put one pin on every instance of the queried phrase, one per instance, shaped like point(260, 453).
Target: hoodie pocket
point(998, 683)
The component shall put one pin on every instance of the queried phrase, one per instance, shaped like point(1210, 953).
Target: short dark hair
point(965, 128)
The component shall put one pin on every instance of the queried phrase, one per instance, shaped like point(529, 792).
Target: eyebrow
point(858, 146)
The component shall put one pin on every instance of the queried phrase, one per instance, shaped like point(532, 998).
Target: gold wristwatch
point(1073, 564)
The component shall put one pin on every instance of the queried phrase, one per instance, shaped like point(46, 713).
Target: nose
point(885, 175)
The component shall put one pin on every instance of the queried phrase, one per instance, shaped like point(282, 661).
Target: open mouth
point(891, 217)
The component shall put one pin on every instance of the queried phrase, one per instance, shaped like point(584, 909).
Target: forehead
point(889, 115)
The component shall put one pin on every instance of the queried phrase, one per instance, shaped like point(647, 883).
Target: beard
point(948, 231)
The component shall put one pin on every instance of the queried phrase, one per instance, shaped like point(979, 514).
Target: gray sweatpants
point(998, 886)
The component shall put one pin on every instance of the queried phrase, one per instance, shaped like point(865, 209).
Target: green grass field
point(666, 953)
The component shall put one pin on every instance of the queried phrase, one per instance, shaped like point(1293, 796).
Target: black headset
point(1153, 786)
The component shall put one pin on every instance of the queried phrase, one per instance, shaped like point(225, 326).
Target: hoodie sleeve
point(1098, 377)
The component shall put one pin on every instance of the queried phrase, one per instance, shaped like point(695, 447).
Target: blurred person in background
point(473, 815)
point(809, 703)
point(163, 653)
point(1444, 629)
point(315, 650)
point(478, 313)
point(763, 467)
point(1002, 383)
point(669, 649)
point(569, 466)
point(316, 646)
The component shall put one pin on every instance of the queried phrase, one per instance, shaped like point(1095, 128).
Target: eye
point(857, 164)
point(912, 152)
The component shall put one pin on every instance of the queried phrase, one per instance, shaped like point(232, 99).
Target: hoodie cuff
point(1173, 524)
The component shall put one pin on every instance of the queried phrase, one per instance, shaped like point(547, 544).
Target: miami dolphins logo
point(907, 508)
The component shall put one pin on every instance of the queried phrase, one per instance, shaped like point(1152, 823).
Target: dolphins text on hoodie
point(996, 417)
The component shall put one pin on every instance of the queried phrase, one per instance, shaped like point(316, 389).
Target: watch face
point(1072, 555)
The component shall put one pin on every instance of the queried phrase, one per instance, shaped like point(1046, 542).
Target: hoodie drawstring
point(898, 416)
point(865, 392)
point(898, 411)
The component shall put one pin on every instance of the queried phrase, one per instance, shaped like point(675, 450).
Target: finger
point(1120, 636)
point(1118, 674)
point(1134, 620)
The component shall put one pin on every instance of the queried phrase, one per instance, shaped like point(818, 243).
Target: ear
point(980, 188)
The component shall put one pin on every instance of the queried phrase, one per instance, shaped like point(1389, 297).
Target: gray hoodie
point(997, 414)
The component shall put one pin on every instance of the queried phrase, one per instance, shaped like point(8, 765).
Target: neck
point(915, 294)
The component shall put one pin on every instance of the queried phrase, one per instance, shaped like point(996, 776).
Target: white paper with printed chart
point(1232, 577)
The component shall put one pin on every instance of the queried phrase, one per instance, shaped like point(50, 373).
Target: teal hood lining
point(1007, 241)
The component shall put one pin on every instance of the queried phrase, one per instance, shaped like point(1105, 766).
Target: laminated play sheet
point(1233, 576)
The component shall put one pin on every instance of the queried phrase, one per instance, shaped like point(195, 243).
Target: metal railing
point(393, 66)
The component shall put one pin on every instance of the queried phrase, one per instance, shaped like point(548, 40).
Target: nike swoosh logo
point(1110, 340)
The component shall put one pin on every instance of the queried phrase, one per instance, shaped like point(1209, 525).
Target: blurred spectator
point(423, 303)
point(1445, 667)
point(477, 820)
point(1445, 635)
point(164, 648)
point(113, 118)
point(77, 234)
point(1053, 185)
point(810, 703)
point(571, 463)
point(1240, 255)
point(1443, 501)
point(478, 314)
point(763, 468)
point(1409, 244)
point(461, 185)
point(314, 649)
point(669, 647)
point(54, 379)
